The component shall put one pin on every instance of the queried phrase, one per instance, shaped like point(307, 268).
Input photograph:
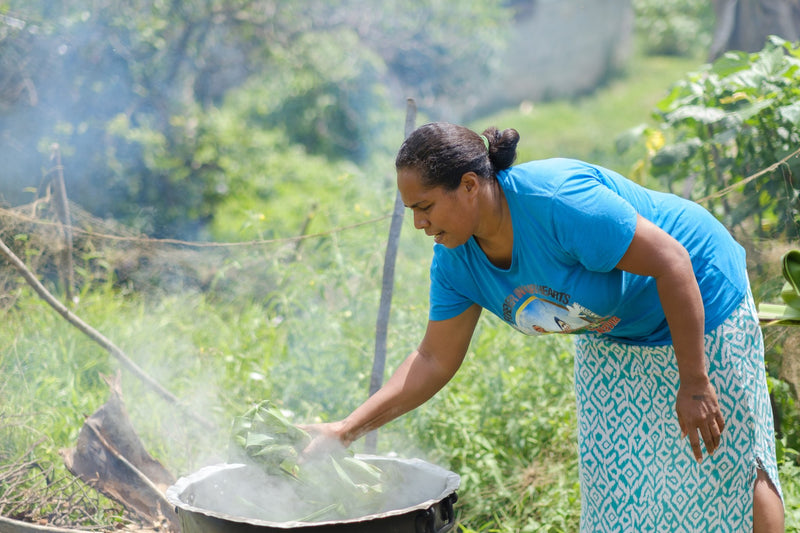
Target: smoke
point(241, 492)
point(69, 78)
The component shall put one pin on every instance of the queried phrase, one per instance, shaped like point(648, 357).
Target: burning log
point(110, 457)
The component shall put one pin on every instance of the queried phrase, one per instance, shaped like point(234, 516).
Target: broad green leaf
point(340, 484)
point(771, 62)
point(676, 154)
point(790, 113)
point(343, 476)
point(730, 62)
point(705, 115)
point(258, 439)
point(725, 136)
point(276, 453)
point(753, 109)
point(684, 92)
point(630, 138)
point(361, 471)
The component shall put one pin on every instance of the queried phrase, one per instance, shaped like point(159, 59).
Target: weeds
point(266, 325)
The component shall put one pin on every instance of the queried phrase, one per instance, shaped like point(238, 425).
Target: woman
point(657, 293)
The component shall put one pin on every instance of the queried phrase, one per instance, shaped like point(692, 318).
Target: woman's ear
point(469, 181)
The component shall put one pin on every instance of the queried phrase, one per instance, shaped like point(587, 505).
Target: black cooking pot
point(211, 501)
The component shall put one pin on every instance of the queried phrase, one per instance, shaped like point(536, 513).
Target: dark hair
point(444, 152)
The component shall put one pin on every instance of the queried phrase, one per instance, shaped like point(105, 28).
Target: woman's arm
point(655, 253)
point(424, 372)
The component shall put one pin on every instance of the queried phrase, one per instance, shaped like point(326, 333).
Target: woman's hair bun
point(502, 147)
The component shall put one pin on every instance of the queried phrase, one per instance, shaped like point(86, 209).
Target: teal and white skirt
point(636, 472)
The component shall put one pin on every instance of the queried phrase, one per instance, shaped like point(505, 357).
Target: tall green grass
point(506, 423)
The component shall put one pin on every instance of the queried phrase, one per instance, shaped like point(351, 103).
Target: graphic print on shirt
point(537, 309)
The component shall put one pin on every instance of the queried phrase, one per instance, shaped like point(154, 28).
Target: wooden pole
point(387, 285)
point(66, 269)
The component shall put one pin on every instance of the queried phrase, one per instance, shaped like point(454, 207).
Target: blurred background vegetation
point(229, 167)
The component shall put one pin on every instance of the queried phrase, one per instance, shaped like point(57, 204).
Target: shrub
point(674, 27)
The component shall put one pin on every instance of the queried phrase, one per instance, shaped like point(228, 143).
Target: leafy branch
point(737, 117)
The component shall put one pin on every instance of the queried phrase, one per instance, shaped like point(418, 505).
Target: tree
point(122, 86)
point(745, 24)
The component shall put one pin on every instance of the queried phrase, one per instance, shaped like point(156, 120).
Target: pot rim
point(173, 493)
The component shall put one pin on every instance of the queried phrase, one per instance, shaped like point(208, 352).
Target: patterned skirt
point(636, 472)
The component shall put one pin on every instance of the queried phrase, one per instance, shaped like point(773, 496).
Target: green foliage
point(787, 413)
point(263, 185)
point(265, 437)
point(790, 474)
point(122, 89)
point(674, 27)
point(506, 422)
point(335, 485)
point(435, 49)
point(734, 118)
point(322, 92)
point(296, 323)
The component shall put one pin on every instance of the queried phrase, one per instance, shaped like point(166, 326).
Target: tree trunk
point(746, 24)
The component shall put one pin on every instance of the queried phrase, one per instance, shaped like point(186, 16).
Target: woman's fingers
point(700, 418)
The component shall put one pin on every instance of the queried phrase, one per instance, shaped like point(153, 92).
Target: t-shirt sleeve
point(592, 223)
point(445, 301)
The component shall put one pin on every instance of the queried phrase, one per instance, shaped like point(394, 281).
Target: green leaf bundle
point(335, 486)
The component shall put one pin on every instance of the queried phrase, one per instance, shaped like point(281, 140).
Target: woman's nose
point(420, 221)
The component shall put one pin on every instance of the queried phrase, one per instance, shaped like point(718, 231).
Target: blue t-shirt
point(572, 224)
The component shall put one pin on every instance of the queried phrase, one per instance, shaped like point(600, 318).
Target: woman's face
point(449, 216)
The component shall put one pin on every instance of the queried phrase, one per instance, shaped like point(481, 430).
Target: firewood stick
point(95, 335)
point(156, 492)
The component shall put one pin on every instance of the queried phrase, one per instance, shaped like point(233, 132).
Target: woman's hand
point(325, 438)
point(699, 416)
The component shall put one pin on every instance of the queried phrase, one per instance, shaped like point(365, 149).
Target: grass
point(506, 423)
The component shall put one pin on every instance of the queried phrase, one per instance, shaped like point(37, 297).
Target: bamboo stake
point(387, 285)
point(95, 335)
point(62, 208)
point(304, 231)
